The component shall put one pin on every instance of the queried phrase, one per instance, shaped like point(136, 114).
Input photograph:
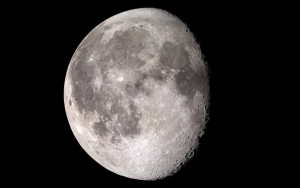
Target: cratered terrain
point(136, 94)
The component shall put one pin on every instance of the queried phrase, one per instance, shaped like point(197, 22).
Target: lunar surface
point(136, 94)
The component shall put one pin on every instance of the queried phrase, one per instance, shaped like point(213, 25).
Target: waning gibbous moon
point(136, 94)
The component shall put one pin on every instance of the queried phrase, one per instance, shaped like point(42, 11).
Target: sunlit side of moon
point(136, 94)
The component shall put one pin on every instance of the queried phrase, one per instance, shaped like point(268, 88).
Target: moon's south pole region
point(136, 94)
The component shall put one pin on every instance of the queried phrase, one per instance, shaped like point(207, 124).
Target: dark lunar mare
point(188, 82)
point(174, 55)
point(110, 56)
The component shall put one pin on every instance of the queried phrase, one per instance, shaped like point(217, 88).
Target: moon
point(136, 94)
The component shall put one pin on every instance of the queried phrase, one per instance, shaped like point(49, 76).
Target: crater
point(115, 139)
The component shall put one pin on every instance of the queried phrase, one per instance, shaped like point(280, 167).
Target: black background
point(234, 149)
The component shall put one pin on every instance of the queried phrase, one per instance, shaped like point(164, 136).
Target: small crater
point(115, 140)
point(138, 85)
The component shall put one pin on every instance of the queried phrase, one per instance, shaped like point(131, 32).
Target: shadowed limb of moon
point(136, 94)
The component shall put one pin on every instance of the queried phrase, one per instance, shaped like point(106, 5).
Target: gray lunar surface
point(136, 94)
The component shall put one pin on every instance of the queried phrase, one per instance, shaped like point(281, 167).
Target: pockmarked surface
point(136, 94)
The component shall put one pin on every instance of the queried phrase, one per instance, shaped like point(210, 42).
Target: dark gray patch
point(100, 128)
point(70, 102)
point(173, 55)
point(132, 89)
point(135, 87)
point(139, 85)
point(156, 74)
point(188, 82)
point(141, 88)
